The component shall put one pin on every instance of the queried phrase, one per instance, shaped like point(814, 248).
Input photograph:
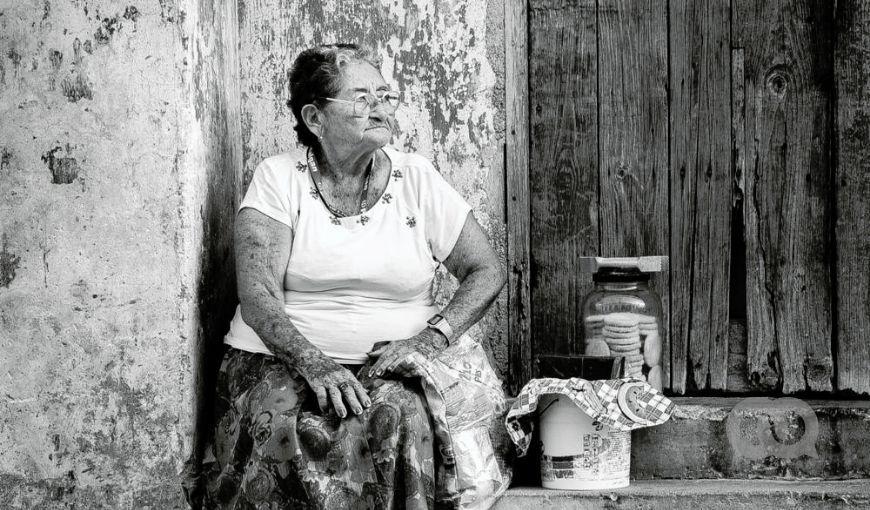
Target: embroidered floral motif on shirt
point(411, 221)
point(313, 192)
point(334, 220)
point(363, 219)
point(300, 166)
point(397, 174)
point(386, 198)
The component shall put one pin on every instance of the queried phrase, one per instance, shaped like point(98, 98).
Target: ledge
point(700, 494)
point(695, 444)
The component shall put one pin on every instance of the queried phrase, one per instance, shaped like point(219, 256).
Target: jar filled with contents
point(622, 317)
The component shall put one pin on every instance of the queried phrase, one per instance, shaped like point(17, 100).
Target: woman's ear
point(313, 118)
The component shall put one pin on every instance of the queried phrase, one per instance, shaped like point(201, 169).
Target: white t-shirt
point(354, 281)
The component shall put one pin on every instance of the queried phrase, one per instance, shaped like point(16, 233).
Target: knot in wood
point(621, 171)
point(777, 82)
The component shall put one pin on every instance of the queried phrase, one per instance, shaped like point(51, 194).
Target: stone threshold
point(696, 444)
point(697, 495)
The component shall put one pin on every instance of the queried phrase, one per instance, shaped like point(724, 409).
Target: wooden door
point(704, 130)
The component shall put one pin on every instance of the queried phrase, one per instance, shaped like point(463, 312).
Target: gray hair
point(317, 73)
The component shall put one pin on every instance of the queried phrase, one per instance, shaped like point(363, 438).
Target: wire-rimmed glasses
point(363, 103)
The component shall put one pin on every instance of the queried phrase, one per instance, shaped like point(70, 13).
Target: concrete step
point(782, 438)
point(698, 495)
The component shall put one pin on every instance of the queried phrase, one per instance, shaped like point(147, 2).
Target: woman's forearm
point(262, 248)
point(476, 292)
point(479, 285)
point(264, 313)
point(262, 252)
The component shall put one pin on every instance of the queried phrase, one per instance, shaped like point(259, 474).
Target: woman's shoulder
point(420, 180)
point(414, 168)
point(286, 171)
point(283, 163)
point(281, 175)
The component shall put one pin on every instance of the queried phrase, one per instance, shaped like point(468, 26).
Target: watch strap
point(439, 323)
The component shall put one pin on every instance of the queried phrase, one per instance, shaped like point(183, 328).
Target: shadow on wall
point(216, 301)
point(216, 105)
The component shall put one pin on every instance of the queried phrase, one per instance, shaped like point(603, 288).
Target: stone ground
point(697, 494)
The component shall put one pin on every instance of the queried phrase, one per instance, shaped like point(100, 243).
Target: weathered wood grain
point(737, 372)
point(789, 90)
point(563, 168)
point(852, 70)
point(700, 195)
point(517, 190)
point(633, 136)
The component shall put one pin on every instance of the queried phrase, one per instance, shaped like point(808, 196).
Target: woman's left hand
point(427, 342)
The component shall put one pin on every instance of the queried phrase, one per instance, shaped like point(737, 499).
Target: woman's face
point(341, 128)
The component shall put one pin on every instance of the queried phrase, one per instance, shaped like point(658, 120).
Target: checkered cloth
point(622, 404)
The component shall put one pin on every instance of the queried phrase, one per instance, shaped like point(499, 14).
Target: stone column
point(120, 168)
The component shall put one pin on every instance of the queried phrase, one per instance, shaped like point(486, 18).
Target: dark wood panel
point(517, 189)
point(737, 373)
point(852, 67)
point(563, 168)
point(633, 137)
point(701, 182)
point(787, 212)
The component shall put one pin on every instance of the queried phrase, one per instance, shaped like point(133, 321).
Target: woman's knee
point(396, 402)
point(395, 391)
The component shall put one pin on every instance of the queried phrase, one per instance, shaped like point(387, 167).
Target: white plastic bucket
point(574, 454)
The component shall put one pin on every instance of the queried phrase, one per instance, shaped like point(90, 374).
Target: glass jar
point(622, 317)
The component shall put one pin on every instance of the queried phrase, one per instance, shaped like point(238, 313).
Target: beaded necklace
point(363, 204)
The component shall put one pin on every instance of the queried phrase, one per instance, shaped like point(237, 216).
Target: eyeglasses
point(363, 103)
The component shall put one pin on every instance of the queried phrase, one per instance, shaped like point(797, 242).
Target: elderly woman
point(336, 256)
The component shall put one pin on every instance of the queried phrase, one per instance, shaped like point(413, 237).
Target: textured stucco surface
point(105, 189)
point(448, 59)
point(127, 129)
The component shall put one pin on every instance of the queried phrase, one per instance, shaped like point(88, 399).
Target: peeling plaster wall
point(448, 58)
point(125, 128)
point(117, 169)
point(216, 147)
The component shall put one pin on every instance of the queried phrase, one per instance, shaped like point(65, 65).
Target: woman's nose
point(378, 113)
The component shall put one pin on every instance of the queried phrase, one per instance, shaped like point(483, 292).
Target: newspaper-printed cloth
point(622, 404)
point(468, 407)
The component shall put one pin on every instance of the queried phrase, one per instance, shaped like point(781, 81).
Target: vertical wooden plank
point(738, 125)
point(789, 89)
point(852, 68)
point(633, 135)
point(737, 380)
point(517, 188)
point(563, 167)
point(701, 182)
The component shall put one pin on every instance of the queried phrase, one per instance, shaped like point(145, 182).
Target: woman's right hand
point(333, 384)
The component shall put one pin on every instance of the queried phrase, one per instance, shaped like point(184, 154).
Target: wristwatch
point(439, 323)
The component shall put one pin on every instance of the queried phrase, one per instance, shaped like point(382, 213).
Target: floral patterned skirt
point(273, 448)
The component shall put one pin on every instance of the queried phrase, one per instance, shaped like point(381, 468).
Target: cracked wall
point(118, 177)
point(127, 130)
